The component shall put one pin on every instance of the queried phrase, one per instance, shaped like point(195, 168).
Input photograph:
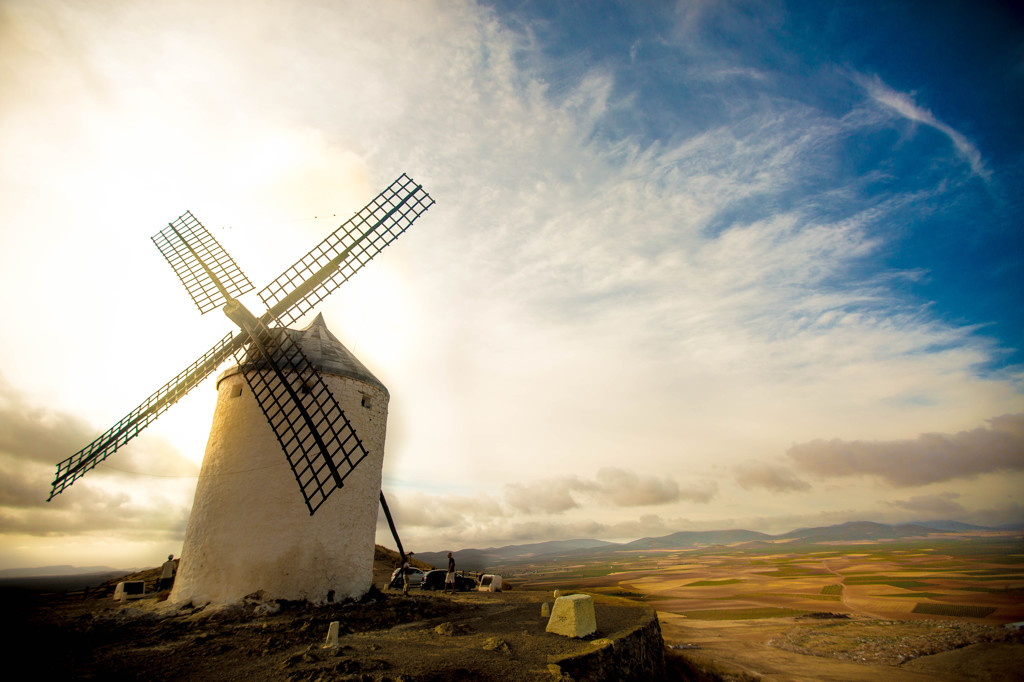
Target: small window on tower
point(366, 401)
point(236, 391)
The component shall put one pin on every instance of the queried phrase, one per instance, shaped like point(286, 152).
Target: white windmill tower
point(248, 532)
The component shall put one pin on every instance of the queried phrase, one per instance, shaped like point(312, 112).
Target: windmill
point(318, 439)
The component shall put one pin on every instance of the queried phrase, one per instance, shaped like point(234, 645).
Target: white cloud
point(929, 458)
point(140, 495)
point(548, 497)
point(768, 476)
point(933, 506)
point(490, 532)
point(611, 486)
point(904, 105)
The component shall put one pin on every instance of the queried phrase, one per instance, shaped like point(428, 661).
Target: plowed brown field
point(894, 610)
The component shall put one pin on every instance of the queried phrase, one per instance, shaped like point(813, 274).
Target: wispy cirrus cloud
point(904, 104)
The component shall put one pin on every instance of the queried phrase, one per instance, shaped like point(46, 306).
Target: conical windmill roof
point(326, 353)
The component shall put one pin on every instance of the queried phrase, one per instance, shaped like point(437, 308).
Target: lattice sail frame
point(195, 254)
point(74, 467)
point(346, 250)
point(318, 470)
point(338, 258)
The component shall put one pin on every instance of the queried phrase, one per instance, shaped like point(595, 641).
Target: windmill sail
point(345, 251)
point(209, 274)
point(317, 438)
point(74, 467)
point(320, 444)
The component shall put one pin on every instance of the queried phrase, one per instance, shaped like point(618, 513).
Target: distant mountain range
point(478, 559)
point(62, 570)
point(56, 578)
point(853, 531)
point(697, 538)
point(481, 559)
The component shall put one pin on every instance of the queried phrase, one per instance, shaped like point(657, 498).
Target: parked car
point(415, 578)
point(434, 580)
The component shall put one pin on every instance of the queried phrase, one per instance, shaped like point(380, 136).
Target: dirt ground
point(386, 636)
point(848, 650)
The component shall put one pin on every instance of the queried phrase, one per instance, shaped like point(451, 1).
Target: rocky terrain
point(889, 642)
point(384, 636)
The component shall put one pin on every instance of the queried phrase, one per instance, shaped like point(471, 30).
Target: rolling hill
point(853, 531)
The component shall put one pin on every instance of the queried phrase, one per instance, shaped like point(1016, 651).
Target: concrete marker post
point(332, 635)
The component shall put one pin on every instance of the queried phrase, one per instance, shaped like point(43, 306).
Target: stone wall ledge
point(634, 654)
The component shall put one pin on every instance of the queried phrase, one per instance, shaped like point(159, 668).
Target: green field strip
point(1016, 591)
point(905, 583)
point(902, 584)
point(575, 575)
point(953, 610)
point(985, 553)
point(785, 595)
point(972, 578)
point(713, 583)
point(794, 572)
point(811, 597)
point(915, 595)
point(1019, 572)
point(743, 614)
point(832, 589)
point(615, 592)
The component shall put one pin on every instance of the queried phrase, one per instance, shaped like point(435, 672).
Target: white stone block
point(489, 583)
point(573, 616)
point(130, 589)
point(332, 635)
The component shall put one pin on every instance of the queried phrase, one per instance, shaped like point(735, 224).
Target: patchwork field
point(789, 603)
point(896, 580)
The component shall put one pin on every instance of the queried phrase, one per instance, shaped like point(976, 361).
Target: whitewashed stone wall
point(250, 530)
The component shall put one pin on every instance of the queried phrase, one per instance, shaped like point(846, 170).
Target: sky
point(691, 266)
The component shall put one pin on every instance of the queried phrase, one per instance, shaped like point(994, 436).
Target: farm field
point(785, 611)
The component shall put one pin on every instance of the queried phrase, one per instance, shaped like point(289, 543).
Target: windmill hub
point(241, 316)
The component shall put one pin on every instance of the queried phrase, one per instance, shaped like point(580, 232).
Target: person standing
point(405, 578)
point(449, 579)
point(167, 572)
